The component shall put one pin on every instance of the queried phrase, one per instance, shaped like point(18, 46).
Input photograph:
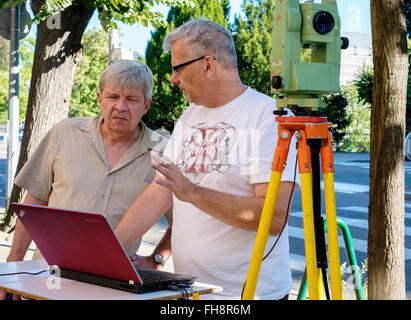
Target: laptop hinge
point(129, 286)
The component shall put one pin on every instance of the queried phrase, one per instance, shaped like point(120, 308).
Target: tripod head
point(313, 26)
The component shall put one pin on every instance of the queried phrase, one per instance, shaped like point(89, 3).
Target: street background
point(351, 190)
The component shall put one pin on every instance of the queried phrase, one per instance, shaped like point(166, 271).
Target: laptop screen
point(78, 241)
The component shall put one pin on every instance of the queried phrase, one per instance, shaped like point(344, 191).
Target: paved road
point(352, 191)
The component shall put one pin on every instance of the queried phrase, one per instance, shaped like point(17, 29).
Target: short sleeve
point(36, 176)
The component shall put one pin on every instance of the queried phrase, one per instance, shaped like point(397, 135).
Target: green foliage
point(95, 58)
point(4, 53)
point(51, 7)
point(408, 18)
point(357, 138)
point(6, 3)
point(211, 9)
point(408, 112)
point(168, 100)
point(4, 76)
point(363, 80)
point(348, 285)
point(26, 62)
point(252, 37)
point(4, 92)
point(127, 11)
point(110, 11)
point(337, 112)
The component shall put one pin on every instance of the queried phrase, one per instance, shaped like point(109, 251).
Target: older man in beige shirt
point(98, 164)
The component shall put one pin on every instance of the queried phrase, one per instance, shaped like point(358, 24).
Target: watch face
point(158, 258)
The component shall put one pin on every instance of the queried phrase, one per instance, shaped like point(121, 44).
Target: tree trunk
point(386, 265)
point(57, 53)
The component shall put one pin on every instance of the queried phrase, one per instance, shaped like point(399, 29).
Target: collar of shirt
point(147, 140)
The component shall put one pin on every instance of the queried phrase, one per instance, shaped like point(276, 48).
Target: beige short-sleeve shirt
point(69, 169)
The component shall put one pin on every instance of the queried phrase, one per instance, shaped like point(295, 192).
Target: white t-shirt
point(227, 149)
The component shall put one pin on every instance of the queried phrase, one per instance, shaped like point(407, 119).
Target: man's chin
point(188, 98)
point(120, 128)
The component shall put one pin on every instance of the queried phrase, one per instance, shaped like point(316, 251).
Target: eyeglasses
point(175, 68)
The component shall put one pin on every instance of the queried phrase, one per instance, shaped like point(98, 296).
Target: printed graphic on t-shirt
point(206, 149)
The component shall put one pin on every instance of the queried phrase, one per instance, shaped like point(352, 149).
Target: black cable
point(288, 208)
point(180, 289)
point(325, 281)
point(23, 272)
point(285, 220)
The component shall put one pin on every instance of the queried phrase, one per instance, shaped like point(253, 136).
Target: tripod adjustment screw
point(284, 135)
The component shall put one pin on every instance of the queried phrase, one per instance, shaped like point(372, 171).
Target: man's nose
point(174, 78)
point(121, 105)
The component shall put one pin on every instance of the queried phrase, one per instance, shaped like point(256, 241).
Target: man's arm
point(241, 212)
point(145, 211)
point(21, 238)
point(163, 247)
point(282, 209)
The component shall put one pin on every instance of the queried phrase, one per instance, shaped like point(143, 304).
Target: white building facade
point(357, 55)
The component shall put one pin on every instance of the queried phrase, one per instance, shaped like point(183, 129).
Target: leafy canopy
point(94, 60)
point(126, 11)
point(26, 61)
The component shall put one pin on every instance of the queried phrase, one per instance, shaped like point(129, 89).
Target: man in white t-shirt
point(216, 169)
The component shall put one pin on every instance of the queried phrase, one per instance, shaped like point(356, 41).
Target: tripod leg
point(332, 233)
point(313, 273)
point(305, 169)
point(262, 235)
point(331, 212)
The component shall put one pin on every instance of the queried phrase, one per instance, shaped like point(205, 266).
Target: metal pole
point(13, 110)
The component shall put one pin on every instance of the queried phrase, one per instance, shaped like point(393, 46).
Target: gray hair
point(205, 37)
point(128, 74)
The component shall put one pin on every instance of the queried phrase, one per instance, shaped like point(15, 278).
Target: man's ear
point(99, 97)
point(147, 105)
point(209, 66)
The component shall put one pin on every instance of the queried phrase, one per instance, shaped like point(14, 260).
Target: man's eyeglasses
point(179, 66)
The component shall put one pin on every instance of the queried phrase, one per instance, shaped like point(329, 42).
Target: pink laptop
point(85, 248)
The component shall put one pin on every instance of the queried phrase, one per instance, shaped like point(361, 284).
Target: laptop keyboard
point(151, 276)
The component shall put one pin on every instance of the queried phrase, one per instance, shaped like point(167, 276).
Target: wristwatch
point(158, 258)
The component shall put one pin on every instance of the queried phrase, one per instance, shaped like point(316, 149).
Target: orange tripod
point(314, 140)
